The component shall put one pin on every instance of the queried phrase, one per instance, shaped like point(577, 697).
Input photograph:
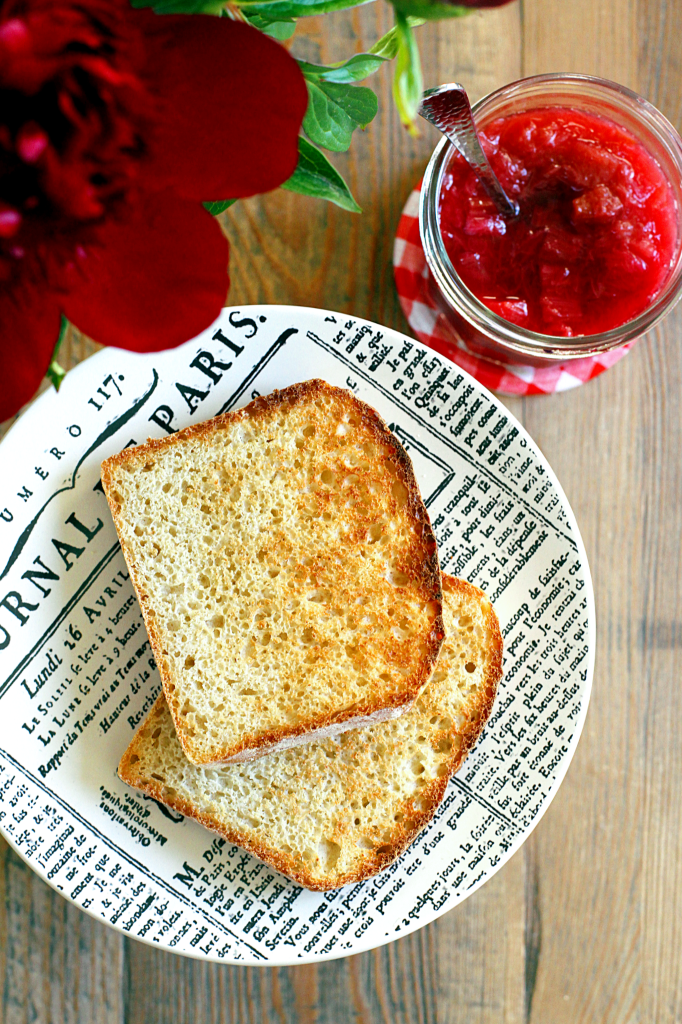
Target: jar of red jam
point(594, 258)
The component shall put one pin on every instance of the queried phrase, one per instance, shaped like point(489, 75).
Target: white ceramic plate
point(77, 676)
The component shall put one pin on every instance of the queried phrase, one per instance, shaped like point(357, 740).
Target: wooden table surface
point(584, 924)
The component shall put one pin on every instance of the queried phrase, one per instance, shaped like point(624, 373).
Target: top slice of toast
point(338, 811)
point(286, 569)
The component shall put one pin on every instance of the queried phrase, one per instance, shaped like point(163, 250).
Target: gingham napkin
point(411, 276)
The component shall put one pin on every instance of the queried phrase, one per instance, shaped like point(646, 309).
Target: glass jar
point(471, 322)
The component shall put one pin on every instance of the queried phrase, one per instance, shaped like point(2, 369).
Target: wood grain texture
point(481, 953)
point(584, 924)
point(598, 38)
point(392, 984)
point(57, 964)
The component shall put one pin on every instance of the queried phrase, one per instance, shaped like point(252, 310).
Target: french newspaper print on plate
point(77, 675)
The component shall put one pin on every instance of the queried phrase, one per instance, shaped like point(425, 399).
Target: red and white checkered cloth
point(411, 276)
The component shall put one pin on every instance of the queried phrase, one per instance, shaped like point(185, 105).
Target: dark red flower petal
point(29, 328)
point(234, 102)
point(153, 280)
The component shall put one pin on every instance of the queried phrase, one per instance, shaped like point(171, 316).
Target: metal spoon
point(449, 110)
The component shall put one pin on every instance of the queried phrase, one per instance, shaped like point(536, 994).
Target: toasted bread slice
point(286, 568)
point(339, 810)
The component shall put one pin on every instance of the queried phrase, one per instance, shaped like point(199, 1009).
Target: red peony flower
point(115, 124)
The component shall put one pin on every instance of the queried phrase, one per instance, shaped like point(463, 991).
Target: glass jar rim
point(518, 339)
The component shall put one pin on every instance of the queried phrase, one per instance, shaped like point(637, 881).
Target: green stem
point(408, 84)
point(56, 373)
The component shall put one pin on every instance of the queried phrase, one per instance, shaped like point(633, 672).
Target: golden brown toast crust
point(375, 706)
point(416, 812)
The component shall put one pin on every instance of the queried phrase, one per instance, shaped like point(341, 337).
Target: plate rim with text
point(88, 369)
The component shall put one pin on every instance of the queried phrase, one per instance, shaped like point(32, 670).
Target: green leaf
point(362, 65)
point(408, 84)
point(335, 111)
point(280, 30)
point(281, 10)
point(315, 176)
point(219, 206)
point(430, 10)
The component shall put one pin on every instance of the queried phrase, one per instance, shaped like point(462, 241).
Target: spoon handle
point(449, 110)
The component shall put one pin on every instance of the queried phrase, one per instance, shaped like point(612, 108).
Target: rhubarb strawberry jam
point(595, 240)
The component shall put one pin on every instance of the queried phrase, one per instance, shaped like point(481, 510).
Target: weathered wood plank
point(583, 925)
point(657, 638)
point(594, 38)
point(56, 963)
point(480, 952)
point(391, 985)
point(658, 635)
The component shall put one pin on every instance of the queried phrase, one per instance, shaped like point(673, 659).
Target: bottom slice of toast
point(337, 811)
